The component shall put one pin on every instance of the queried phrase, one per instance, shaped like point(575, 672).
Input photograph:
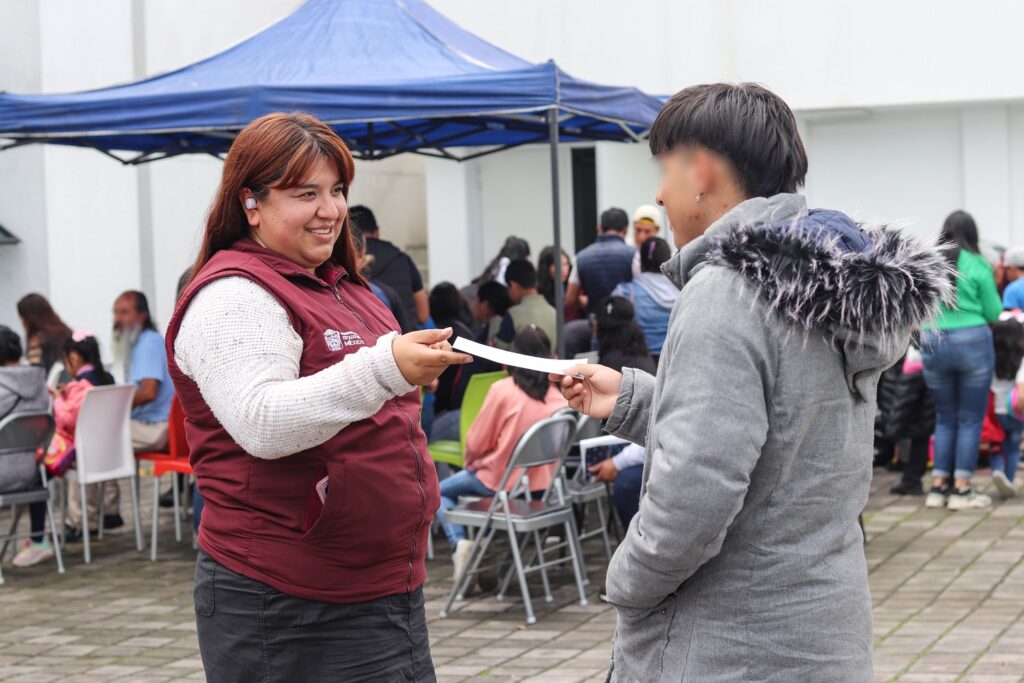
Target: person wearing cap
point(1013, 295)
point(646, 224)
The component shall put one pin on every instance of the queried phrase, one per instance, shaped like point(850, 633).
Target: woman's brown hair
point(276, 150)
point(40, 318)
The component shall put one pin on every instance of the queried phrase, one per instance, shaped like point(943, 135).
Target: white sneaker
point(968, 500)
point(460, 557)
point(1003, 485)
point(936, 497)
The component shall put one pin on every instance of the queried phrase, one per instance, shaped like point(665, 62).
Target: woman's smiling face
point(301, 223)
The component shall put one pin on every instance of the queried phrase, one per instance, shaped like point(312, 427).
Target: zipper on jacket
point(337, 295)
point(423, 497)
point(412, 445)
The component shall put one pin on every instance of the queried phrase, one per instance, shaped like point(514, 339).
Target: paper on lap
point(547, 365)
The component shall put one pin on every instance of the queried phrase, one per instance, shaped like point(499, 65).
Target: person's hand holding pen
point(423, 355)
point(595, 393)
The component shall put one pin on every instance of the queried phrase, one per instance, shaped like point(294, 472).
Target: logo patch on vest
point(336, 341)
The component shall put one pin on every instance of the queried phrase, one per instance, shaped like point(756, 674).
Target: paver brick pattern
point(947, 588)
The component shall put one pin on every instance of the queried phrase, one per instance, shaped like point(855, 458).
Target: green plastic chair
point(453, 452)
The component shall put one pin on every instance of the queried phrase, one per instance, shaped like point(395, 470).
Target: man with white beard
point(140, 358)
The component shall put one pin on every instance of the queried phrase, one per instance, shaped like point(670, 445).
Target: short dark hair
point(654, 252)
point(747, 124)
point(521, 272)
point(495, 295)
point(358, 239)
point(446, 304)
point(362, 217)
point(10, 345)
point(614, 219)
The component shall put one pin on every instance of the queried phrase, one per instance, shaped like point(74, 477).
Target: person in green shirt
point(529, 306)
point(959, 362)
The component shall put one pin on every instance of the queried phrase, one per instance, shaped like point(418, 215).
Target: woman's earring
point(700, 197)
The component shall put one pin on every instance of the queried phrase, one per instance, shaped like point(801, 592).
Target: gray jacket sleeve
point(710, 425)
point(632, 413)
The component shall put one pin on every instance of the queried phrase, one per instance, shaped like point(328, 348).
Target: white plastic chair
point(103, 452)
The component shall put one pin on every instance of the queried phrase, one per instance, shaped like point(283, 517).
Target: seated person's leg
point(445, 427)
point(149, 436)
point(463, 483)
point(626, 493)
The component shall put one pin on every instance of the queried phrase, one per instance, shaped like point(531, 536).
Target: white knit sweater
point(238, 345)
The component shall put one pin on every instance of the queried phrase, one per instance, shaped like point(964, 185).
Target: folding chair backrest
point(473, 399)
point(176, 443)
point(544, 443)
point(28, 431)
point(588, 428)
point(103, 442)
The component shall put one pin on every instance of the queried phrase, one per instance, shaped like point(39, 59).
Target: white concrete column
point(454, 220)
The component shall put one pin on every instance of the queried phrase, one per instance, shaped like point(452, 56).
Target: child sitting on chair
point(512, 406)
point(22, 389)
point(81, 356)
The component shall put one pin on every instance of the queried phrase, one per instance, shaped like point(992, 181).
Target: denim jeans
point(446, 426)
point(958, 367)
point(463, 483)
point(626, 493)
point(1008, 460)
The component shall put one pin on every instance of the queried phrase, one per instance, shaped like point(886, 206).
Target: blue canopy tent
point(390, 76)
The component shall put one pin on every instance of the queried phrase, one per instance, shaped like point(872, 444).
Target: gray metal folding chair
point(28, 431)
point(519, 513)
point(585, 492)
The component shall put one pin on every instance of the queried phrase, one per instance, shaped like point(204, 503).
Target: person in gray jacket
point(22, 389)
point(745, 561)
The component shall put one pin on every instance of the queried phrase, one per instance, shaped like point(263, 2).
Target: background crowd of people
point(955, 398)
point(958, 395)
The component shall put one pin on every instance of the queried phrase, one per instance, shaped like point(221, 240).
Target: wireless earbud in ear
point(250, 202)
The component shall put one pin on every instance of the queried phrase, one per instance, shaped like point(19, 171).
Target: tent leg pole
point(557, 222)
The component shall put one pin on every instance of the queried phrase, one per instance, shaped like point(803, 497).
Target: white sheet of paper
point(547, 365)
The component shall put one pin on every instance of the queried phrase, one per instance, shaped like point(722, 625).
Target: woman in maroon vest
point(302, 417)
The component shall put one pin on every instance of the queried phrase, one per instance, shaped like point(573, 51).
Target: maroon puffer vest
point(369, 539)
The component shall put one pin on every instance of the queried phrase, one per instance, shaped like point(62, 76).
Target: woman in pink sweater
point(512, 406)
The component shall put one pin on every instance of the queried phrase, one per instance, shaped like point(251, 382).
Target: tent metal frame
point(545, 124)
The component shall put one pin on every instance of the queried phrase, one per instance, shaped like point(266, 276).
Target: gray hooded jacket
point(746, 561)
point(22, 388)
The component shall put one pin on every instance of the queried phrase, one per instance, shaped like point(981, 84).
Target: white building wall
point(924, 113)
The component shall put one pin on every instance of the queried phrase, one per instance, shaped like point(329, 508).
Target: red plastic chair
point(175, 460)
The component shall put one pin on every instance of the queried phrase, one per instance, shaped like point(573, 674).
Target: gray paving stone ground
point(948, 592)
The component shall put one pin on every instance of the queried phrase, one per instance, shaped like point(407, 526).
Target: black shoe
point(602, 594)
point(167, 498)
point(907, 489)
point(111, 522)
point(72, 534)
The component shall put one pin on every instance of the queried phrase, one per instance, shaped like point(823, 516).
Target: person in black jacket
point(391, 266)
point(906, 411)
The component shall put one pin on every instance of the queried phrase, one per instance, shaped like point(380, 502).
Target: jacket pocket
point(203, 586)
point(644, 635)
point(332, 506)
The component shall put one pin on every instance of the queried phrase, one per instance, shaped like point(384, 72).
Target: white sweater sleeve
point(237, 344)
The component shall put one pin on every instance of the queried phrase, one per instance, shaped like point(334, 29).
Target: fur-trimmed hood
point(866, 288)
point(819, 270)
